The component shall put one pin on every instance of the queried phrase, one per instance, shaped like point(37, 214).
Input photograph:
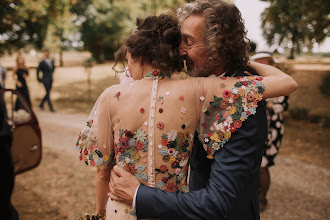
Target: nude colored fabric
point(147, 128)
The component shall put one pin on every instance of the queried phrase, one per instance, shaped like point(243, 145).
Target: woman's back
point(147, 127)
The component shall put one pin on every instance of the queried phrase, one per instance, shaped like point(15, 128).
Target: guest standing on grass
point(275, 108)
point(21, 72)
point(2, 75)
point(47, 67)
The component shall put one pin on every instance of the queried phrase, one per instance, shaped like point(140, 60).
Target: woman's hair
point(225, 33)
point(23, 63)
point(156, 39)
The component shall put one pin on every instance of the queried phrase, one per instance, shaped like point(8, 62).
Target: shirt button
point(151, 116)
point(150, 135)
point(150, 126)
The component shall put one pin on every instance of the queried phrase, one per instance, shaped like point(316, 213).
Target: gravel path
point(298, 190)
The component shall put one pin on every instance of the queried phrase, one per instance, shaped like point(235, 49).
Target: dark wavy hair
point(156, 39)
point(225, 33)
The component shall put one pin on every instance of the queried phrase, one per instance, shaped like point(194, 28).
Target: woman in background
point(20, 73)
point(275, 108)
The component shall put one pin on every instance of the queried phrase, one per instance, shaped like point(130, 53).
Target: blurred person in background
point(20, 73)
point(7, 210)
point(275, 107)
point(47, 67)
point(3, 74)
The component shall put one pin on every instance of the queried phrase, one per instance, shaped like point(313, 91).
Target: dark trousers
point(48, 87)
point(25, 92)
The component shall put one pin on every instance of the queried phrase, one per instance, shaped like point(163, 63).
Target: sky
point(251, 11)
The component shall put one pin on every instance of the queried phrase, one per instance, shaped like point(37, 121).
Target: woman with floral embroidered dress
point(147, 126)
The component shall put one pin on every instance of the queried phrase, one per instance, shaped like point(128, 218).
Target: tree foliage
point(296, 24)
point(102, 27)
point(98, 25)
point(23, 22)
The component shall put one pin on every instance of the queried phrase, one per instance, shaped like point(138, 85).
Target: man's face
point(46, 54)
point(193, 45)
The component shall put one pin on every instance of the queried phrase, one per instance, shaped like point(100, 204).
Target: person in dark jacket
point(47, 67)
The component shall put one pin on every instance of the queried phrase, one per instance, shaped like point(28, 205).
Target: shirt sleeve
point(225, 108)
point(95, 141)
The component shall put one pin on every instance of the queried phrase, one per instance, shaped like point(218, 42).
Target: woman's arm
point(102, 190)
point(277, 83)
point(105, 146)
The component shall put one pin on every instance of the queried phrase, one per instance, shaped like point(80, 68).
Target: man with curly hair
point(213, 43)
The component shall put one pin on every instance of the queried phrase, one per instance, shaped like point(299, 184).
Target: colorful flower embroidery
point(183, 110)
point(177, 155)
point(226, 93)
point(160, 125)
point(171, 187)
point(130, 149)
point(140, 135)
point(161, 100)
point(130, 168)
point(229, 114)
point(160, 110)
point(117, 95)
point(202, 98)
point(141, 110)
point(181, 98)
point(89, 153)
point(155, 73)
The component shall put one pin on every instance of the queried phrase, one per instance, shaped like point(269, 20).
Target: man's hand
point(122, 185)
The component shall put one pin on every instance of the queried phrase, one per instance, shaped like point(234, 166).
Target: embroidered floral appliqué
point(230, 114)
point(175, 150)
point(130, 149)
point(89, 153)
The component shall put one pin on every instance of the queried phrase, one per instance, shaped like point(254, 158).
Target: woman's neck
point(147, 69)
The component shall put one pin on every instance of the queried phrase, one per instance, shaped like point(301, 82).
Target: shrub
point(315, 118)
point(325, 85)
point(299, 113)
point(326, 121)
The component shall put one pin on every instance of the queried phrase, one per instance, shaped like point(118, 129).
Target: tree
point(26, 22)
point(102, 27)
point(61, 26)
point(296, 24)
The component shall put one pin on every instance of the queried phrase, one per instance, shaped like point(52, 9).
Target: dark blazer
point(223, 188)
point(47, 71)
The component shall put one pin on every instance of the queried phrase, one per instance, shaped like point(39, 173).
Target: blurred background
point(82, 36)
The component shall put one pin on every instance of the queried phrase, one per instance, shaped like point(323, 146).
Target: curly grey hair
point(224, 34)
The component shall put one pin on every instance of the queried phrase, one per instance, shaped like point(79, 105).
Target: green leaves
point(216, 102)
point(298, 23)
